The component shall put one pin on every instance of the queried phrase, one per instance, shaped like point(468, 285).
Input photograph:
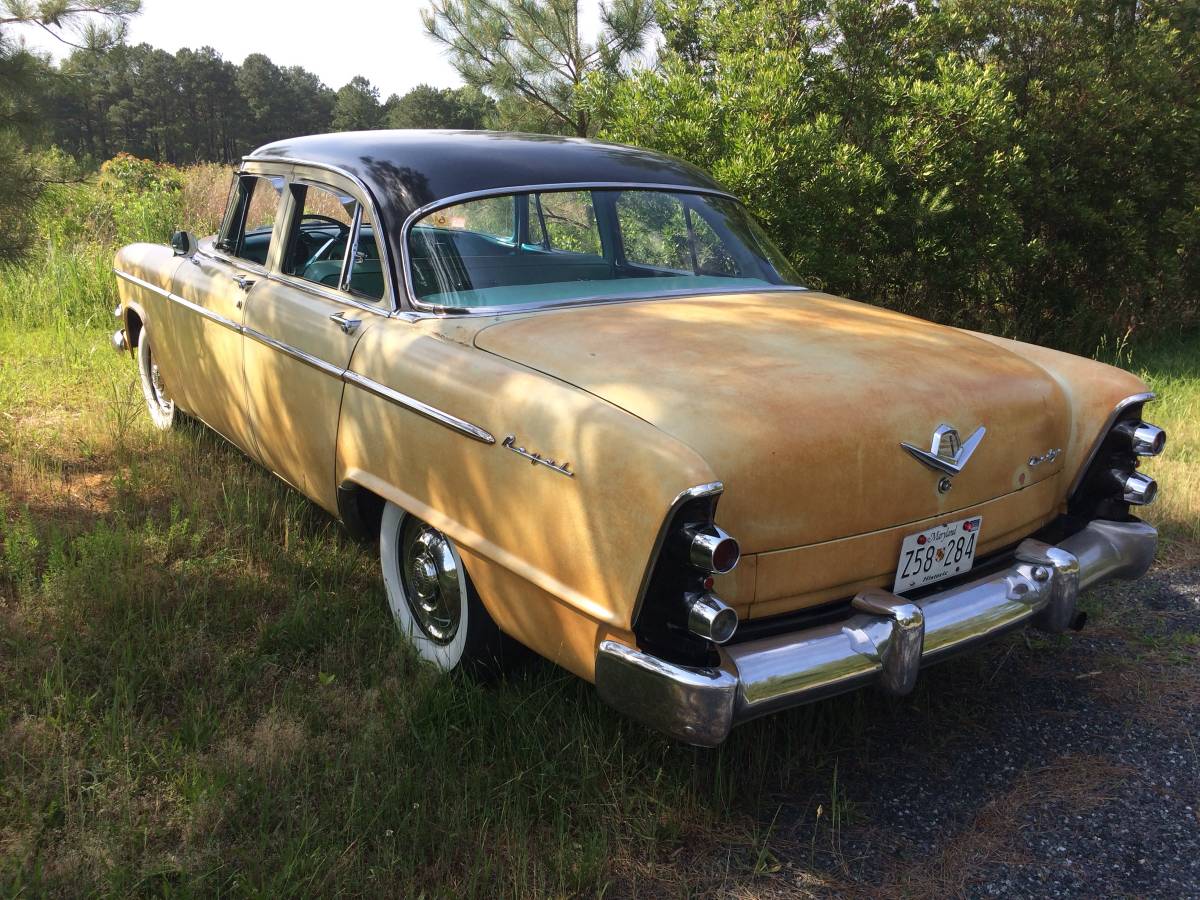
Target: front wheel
point(158, 402)
point(432, 600)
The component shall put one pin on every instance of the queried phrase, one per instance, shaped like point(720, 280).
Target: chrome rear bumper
point(887, 641)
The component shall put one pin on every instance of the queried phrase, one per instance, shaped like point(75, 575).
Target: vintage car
point(582, 402)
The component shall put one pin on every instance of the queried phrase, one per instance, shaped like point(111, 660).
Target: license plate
point(936, 553)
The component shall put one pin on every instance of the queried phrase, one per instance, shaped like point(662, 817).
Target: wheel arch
point(135, 323)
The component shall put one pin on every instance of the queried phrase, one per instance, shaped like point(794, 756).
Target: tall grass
point(67, 279)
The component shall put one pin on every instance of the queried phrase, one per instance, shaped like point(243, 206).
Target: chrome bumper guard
point(887, 641)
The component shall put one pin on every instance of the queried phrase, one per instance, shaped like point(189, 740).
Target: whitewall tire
point(158, 402)
point(431, 596)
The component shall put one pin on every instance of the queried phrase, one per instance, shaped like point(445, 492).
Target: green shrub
point(1026, 167)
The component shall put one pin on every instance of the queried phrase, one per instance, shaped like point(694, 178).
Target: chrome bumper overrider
point(886, 641)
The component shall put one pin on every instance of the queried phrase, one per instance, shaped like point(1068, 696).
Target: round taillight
point(1144, 439)
point(714, 551)
point(710, 618)
point(1136, 488)
point(726, 555)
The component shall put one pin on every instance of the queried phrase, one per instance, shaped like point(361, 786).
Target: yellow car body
point(552, 444)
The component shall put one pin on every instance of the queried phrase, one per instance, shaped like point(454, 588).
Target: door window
point(366, 264)
point(250, 218)
point(327, 221)
point(317, 248)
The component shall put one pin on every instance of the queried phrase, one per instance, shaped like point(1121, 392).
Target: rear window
point(552, 247)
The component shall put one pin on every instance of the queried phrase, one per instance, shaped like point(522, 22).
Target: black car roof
point(408, 169)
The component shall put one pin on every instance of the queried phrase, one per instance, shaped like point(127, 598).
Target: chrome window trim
point(351, 249)
point(455, 199)
point(346, 376)
point(235, 261)
point(326, 293)
point(445, 312)
point(709, 489)
point(1131, 400)
point(367, 198)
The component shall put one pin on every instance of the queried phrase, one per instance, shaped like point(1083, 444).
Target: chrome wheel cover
point(432, 580)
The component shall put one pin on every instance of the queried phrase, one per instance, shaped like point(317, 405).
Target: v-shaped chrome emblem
point(947, 454)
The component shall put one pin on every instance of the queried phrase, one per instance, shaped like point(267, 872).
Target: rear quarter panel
point(558, 561)
point(1093, 390)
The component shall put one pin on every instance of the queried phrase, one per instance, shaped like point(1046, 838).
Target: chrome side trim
point(701, 490)
point(380, 390)
point(376, 221)
point(885, 641)
point(422, 409)
point(1129, 401)
point(293, 352)
point(182, 301)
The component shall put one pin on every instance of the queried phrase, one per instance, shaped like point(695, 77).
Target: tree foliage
point(23, 95)
point(356, 106)
point(1026, 166)
point(531, 56)
point(429, 107)
point(194, 106)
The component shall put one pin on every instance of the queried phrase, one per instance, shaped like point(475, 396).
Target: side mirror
point(183, 243)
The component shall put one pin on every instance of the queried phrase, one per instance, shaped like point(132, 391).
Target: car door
point(326, 290)
point(214, 290)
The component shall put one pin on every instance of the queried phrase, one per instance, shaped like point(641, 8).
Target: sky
point(383, 40)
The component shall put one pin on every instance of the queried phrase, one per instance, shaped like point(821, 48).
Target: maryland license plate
point(936, 553)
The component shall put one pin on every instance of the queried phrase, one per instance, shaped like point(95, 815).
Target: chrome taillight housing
point(679, 617)
point(712, 550)
point(709, 617)
point(1111, 482)
point(1136, 488)
point(1144, 439)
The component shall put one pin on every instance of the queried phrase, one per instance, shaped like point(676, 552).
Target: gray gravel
point(1039, 767)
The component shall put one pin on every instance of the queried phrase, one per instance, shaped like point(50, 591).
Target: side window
point(317, 244)
point(712, 255)
point(490, 216)
point(654, 230)
point(569, 222)
point(366, 265)
point(250, 219)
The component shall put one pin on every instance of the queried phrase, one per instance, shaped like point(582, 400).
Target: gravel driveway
point(1043, 766)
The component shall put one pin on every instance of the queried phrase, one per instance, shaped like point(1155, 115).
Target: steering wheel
point(307, 244)
point(342, 227)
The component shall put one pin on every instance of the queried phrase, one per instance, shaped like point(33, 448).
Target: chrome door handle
point(348, 326)
point(243, 282)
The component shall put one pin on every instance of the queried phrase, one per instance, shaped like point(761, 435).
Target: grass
point(201, 690)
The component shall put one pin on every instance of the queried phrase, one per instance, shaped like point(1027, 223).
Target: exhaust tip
point(1137, 488)
point(709, 618)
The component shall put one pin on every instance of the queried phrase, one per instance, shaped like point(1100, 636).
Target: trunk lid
point(799, 402)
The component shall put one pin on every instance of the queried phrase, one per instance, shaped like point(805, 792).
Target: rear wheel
point(158, 402)
point(432, 600)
